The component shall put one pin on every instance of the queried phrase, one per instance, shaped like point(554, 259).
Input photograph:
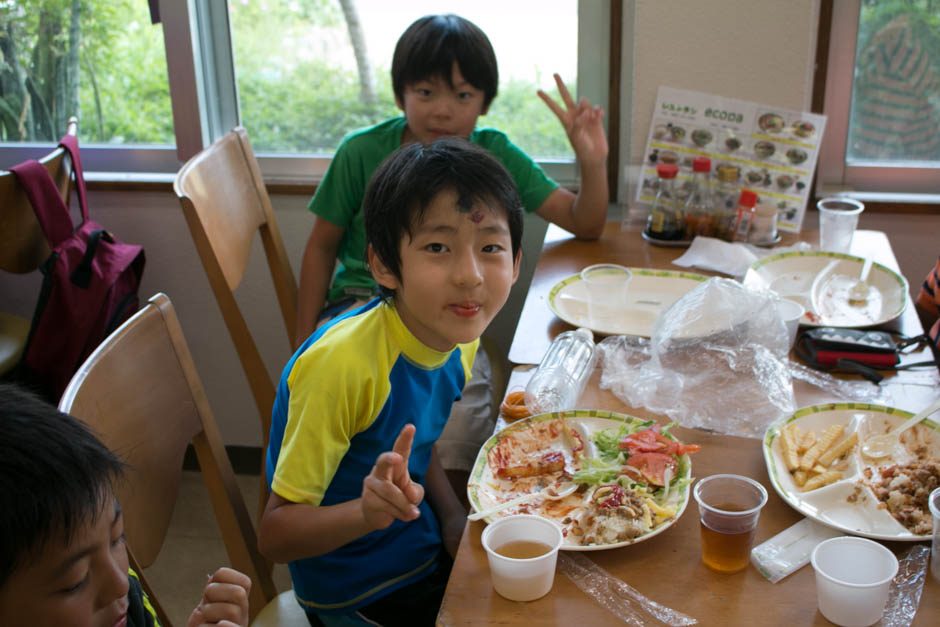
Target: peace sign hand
point(583, 124)
point(388, 491)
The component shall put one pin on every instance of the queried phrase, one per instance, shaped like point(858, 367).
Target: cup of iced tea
point(728, 507)
point(522, 551)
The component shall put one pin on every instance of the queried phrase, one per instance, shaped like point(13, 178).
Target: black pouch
point(858, 352)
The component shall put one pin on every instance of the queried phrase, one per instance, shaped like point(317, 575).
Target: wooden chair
point(23, 246)
point(141, 393)
point(225, 203)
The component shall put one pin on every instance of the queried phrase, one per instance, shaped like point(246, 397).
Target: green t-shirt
point(339, 196)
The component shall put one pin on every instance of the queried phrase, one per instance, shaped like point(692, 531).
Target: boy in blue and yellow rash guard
point(362, 402)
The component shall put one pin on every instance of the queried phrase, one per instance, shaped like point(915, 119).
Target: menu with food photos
point(774, 149)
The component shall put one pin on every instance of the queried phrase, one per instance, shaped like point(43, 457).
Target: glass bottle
point(697, 208)
point(725, 199)
point(665, 220)
point(559, 380)
point(744, 215)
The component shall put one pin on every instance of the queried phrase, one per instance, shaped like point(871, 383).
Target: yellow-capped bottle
point(665, 219)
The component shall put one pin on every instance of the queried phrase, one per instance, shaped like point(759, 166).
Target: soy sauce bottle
point(665, 219)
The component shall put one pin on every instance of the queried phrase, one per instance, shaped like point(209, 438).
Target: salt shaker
point(559, 380)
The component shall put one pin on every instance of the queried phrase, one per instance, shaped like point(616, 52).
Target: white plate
point(484, 490)
point(794, 275)
point(830, 504)
point(648, 294)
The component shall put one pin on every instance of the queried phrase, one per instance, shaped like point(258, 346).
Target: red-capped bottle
point(744, 217)
point(697, 208)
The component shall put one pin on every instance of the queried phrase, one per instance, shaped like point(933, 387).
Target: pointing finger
point(404, 441)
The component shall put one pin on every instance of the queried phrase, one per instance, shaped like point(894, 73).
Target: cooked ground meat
point(904, 489)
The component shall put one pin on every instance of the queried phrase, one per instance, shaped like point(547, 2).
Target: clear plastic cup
point(729, 507)
point(790, 312)
point(838, 218)
point(522, 578)
point(606, 285)
point(933, 502)
point(853, 578)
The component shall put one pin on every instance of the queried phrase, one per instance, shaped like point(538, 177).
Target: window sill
point(163, 182)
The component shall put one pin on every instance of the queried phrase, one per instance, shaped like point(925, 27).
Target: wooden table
point(666, 568)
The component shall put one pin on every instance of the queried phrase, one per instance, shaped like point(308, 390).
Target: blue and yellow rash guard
point(342, 400)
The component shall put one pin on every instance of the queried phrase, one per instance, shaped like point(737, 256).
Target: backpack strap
point(51, 212)
point(70, 143)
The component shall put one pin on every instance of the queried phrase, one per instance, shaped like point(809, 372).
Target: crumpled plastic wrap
point(717, 360)
point(619, 598)
point(904, 596)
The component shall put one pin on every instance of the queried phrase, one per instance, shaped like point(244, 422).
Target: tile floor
point(194, 548)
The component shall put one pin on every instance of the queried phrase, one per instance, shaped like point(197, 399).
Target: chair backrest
point(225, 203)
point(141, 393)
point(23, 246)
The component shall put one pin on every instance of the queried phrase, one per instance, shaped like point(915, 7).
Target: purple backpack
point(89, 283)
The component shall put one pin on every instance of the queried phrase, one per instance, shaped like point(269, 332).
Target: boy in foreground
point(362, 402)
point(63, 557)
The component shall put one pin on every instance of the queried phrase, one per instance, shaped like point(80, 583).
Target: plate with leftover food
point(816, 465)
point(647, 295)
point(822, 283)
point(633, 477)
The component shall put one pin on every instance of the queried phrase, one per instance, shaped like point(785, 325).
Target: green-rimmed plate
point(820, 281)
point(485, 490)
point(849, 504)
point(648, 294)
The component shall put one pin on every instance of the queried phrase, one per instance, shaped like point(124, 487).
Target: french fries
point(809, 457)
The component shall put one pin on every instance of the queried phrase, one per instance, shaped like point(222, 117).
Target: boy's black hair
point(54, 476)
point(429, 47)
point(403, 186)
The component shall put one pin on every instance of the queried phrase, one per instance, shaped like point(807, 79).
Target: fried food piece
point(808, 441)
point(830, 476)
point(788, 448)
point(799, 477)
point(830, 435)
point(835, 453)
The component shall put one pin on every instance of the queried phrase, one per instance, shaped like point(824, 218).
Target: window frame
point(873, 181)
point(204, 100)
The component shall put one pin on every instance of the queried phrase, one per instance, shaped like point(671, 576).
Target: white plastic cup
point(838, 218)
point(606, 285)
point(853, 578)
point(522, 579)
point(791, 312)
point(933, 502)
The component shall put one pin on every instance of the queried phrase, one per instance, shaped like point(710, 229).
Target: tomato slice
point(653, 466)
point(652, 441)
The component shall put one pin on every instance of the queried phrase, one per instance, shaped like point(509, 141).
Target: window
point(102, 61)
point(883, 97)
point(286, 71)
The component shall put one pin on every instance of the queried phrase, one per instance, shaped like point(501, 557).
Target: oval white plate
point(793, 275)
point(483, 486)
point(648, 294)
point(829, 504)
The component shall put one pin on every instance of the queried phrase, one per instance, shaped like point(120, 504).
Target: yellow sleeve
point(337, 389)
